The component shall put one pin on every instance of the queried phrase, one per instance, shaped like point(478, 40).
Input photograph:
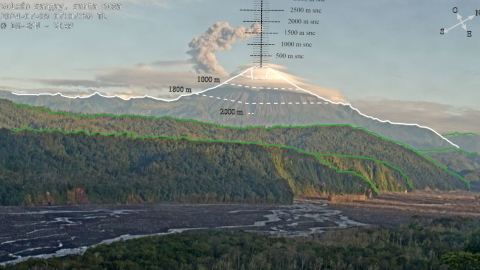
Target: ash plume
point(219, 37)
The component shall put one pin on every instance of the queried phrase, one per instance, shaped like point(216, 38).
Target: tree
point(473, 245)
point(462, 260)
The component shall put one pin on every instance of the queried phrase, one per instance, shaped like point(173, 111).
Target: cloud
point(75, 83)
point(155, 78)
point(220, 37)
point(144, 77)
point(173, 63)
point(134, 81)
point(51, 90)
point(442, 118)
point(141, 76)
point(327, 93)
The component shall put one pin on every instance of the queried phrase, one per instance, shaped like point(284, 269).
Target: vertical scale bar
point(261, 13)
point(261, 33)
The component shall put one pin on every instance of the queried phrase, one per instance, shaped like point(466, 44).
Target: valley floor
point(47, 231)
point(392, 209)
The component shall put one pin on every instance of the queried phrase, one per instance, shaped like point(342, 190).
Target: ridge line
point(364, 115)
point(257, 127)
point(451, 148)
point(131, 134)
point(456, 133)
point(241, 74)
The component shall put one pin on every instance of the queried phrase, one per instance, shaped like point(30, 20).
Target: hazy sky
point(374, 52)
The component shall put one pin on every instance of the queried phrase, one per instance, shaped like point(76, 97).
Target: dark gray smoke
point(219, 37)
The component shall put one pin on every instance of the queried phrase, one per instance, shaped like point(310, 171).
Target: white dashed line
point(225, 83)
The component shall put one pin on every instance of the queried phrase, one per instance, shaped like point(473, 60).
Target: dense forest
point(341, 140)
point(206, 109)
point(423, 244)
point(52, 167)
point(466, 165)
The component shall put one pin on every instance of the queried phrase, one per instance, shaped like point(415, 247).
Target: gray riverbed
point(46, 231)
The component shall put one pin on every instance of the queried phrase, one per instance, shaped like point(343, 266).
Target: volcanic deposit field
point(47, 231)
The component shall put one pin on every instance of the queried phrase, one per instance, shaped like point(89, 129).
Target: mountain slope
point(469, 143)
point(324, 140)
point(465, 165)
point(40, 168)
point(260, 107)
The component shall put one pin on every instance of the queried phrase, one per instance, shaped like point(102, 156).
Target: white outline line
point(115, 96)
point(241, 74)
point(364, 115)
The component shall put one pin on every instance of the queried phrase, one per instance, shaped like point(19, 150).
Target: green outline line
point(226, 141)
point(257, 127)
point(382, 162)
point(336, 169)
point(451, 148)
point(456, 133)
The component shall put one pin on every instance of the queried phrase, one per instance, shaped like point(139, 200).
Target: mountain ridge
point(37, 168)
point(263, 103)
point(341, 140)
point(207, 109)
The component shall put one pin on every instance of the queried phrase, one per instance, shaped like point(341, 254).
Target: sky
point(386, 57)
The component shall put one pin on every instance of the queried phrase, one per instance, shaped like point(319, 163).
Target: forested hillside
point(338, 140)
point(466, 165)
point(206, 109)
point(469, 142)
point(51, 167)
